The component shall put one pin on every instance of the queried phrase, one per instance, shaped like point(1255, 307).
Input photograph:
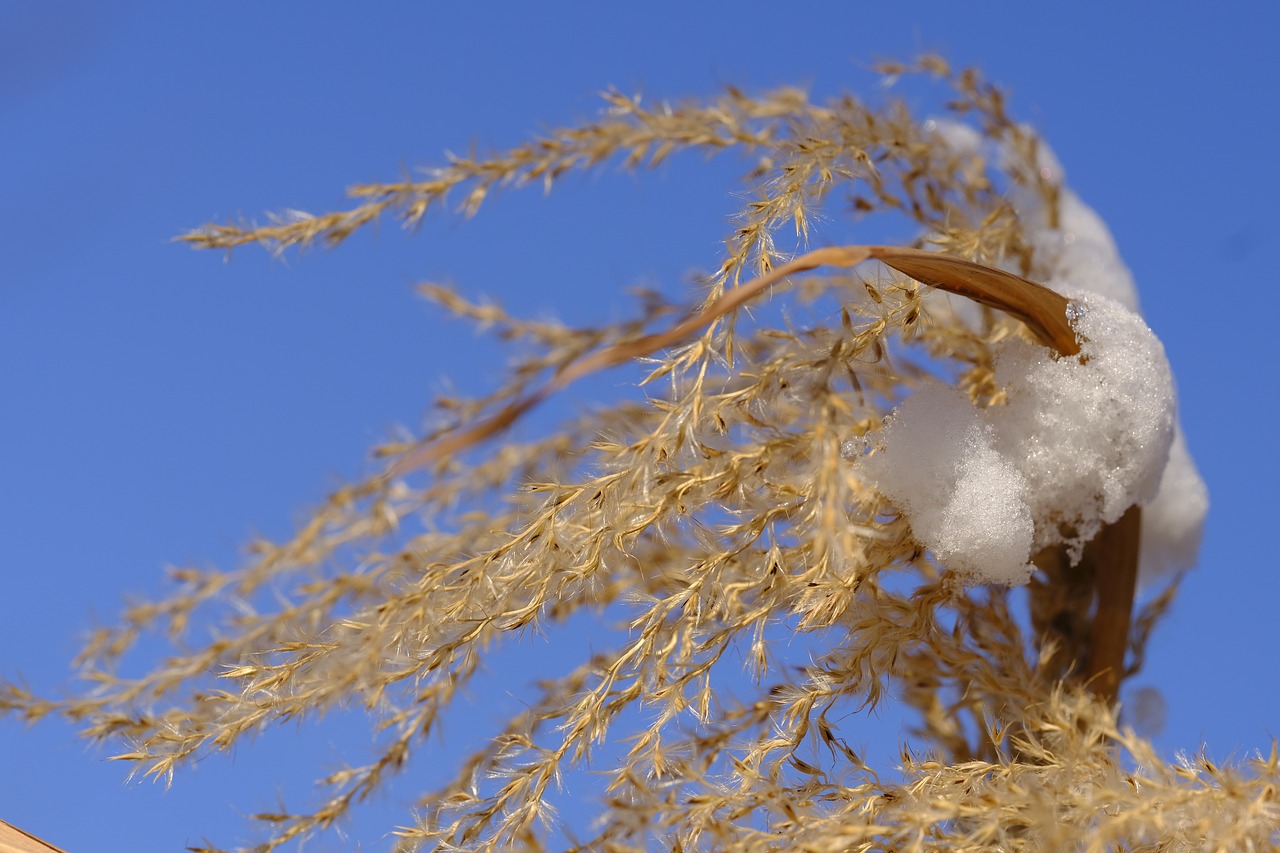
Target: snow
point(1079, 252)
point(1091, 434)
point(1077, 440)
point(1173, 523)
point(939, 464)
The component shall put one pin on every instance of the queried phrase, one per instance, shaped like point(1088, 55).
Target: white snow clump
point(939, 464)
point(1081, 253)
point(1077, 443)
point(1079, 440)
point(1173, 523)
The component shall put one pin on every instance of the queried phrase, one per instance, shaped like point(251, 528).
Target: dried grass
point(706, 517)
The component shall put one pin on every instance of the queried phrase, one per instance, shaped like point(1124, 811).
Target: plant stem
point(1115, 562)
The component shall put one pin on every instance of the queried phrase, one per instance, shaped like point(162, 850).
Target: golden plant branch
point(1112, 556)
point(1041, 309)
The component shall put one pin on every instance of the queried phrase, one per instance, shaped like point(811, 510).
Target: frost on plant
point(1091, 434)
point(1173, 522)
point(1075, 441)
point(966, 501)
point(756, 593)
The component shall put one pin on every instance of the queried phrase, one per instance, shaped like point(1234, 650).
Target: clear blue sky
point(160, 405)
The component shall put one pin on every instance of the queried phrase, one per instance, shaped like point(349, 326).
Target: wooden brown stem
point(1081, 614)
point(1115, 563)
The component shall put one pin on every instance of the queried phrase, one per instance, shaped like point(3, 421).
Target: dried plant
point(712, 521)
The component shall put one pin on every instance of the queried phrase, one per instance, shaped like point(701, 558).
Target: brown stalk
point(1114, 560)
point(1111, 558)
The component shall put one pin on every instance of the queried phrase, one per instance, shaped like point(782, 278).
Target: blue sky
point(161, 405)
